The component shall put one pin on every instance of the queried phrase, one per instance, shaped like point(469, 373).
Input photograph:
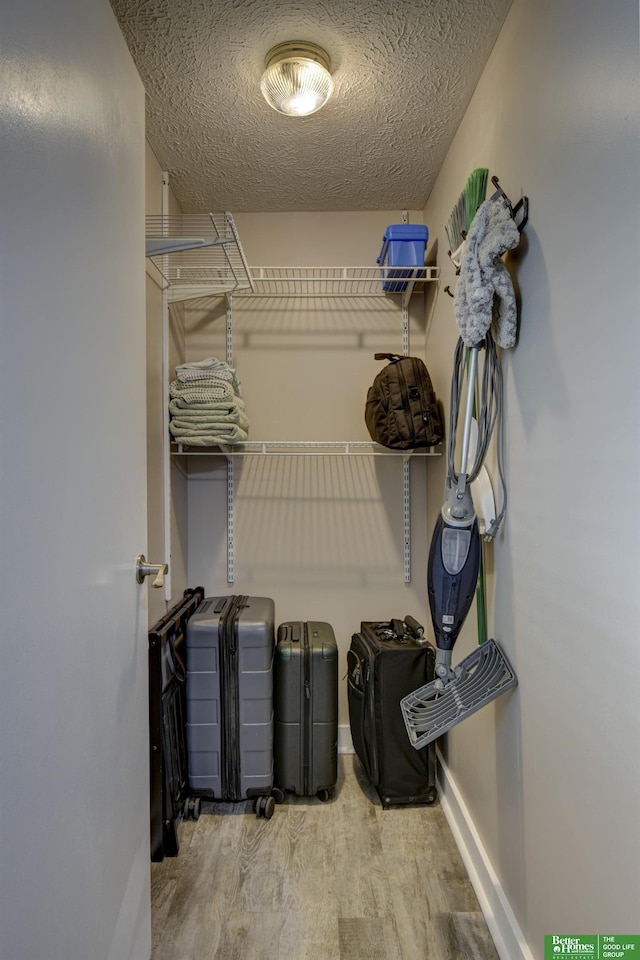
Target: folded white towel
point(197, 391)
point(185, 375)
point(205, 422)
point(181, 408)
point(213, 437)
point(209, 367)
point(209, 363)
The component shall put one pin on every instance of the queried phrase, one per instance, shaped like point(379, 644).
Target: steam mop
point(454, 560)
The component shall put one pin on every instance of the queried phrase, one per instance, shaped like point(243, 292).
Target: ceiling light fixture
point(296, 81)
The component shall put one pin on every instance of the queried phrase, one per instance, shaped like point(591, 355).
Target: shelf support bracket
point(405, 323)
point(229, 302)
point(406, 501)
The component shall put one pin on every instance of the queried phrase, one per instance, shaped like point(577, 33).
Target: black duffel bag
point(401, 410)
point(386, 662)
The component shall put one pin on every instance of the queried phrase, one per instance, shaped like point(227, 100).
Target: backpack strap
point(391, 357)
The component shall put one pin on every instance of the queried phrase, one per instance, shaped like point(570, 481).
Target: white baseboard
point(345, 743)
point(503, 926)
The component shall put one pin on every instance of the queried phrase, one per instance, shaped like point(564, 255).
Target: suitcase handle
point(178, 664)
point(416, 628)
point(289, 633)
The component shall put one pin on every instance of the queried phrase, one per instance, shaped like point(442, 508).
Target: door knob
point(144, 569)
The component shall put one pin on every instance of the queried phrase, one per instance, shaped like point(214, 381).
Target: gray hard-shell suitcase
point(230, 647)
point(306, 709)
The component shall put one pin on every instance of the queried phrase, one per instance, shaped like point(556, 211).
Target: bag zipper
point(306, 749)
point(427, 419)
point(369, 706)
point(405, 398)
point(230, 699)
point(223, 658)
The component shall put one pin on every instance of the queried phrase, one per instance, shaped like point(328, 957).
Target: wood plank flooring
point(342, 880)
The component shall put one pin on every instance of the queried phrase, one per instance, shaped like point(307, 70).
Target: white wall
point(74, 748)
point(549, 775)
point(323, 537)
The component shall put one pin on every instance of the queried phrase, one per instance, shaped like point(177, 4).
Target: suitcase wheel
point(324, 795)
point(278, 795)
point(265, 807)
point(192, 808)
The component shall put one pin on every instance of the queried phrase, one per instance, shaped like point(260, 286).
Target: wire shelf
point(307, 448)
point(197, 255)
point(337, 281)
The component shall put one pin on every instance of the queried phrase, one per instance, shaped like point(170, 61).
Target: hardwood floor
point(342, 880)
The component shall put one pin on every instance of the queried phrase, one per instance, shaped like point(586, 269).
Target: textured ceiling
point(404, 71)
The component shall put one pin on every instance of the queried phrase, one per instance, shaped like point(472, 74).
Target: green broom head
point(475, 192)
point(456, 226)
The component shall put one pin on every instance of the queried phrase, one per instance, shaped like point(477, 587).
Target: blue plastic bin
point(403, 245)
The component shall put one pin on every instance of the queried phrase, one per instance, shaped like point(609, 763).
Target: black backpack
point(402, 411)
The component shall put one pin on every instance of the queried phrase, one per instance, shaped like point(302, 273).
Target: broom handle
point(468, 416)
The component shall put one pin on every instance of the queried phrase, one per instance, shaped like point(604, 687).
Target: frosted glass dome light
point(296, 81)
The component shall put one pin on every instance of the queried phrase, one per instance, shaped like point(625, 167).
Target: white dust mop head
point(484, 297)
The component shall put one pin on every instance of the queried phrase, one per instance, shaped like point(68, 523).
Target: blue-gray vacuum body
point(452, 575)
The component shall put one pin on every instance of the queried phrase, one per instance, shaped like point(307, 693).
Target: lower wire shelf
point(295, 448)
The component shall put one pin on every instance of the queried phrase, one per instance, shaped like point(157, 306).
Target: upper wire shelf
point(198, 255)
point(336, 281)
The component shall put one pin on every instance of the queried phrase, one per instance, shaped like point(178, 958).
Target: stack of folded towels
point(206, 408)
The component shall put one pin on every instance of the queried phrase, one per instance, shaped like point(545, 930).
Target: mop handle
point(468, 416)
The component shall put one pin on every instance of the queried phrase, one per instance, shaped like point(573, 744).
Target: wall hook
point(521, 205)
point(456, 256)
